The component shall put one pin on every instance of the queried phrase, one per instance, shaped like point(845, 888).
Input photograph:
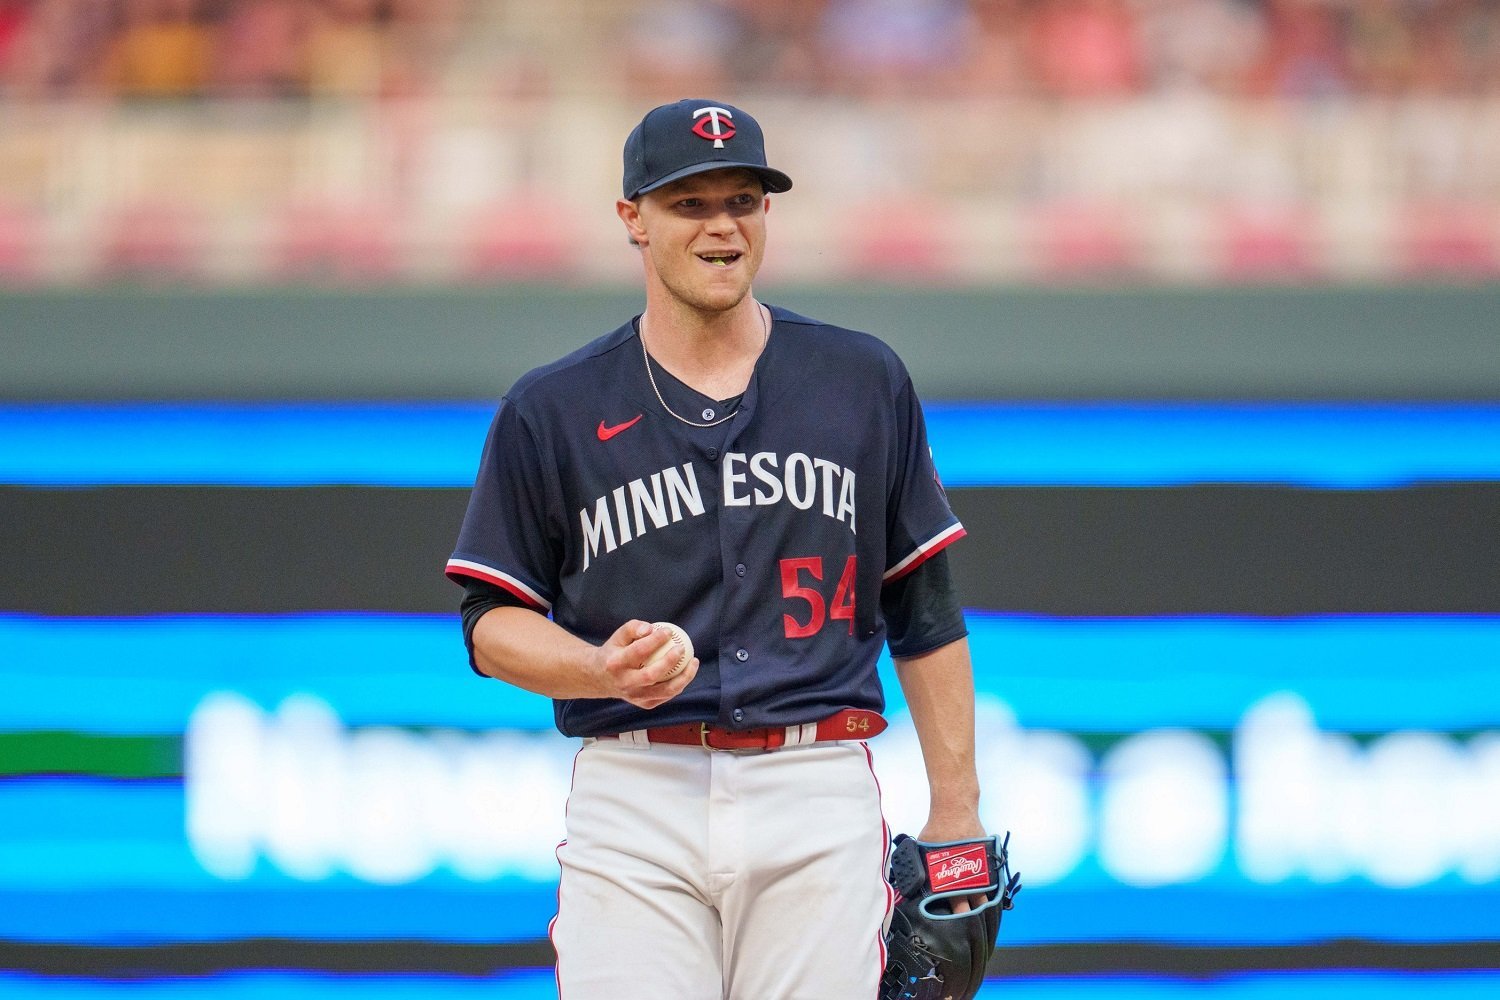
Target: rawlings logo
point(955, 870)
point(958, 868)
point(714, 127)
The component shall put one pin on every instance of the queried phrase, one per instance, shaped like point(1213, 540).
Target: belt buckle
point(767, 741)
point(702, 738)
point(703, 728)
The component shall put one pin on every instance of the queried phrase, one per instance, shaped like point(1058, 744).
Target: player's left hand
point(962, 824)
point(931, 953)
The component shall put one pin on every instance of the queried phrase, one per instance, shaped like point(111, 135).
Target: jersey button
point(713, 453)
point(739, 569)
point(707, 413)
point(742, 655)
point(738, 715)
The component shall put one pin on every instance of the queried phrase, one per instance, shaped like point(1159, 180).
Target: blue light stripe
point(1101, 674)
point(537, 984)
point(511, 910)
point(1358, 672)
point(374, 668)
point(1287, 985)
point(437, 444)
point(512, 984)
point(54, 811)
point(339, 910)
point(1330, 446)
point(242, 444)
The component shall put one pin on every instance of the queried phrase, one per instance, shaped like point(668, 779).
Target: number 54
point(841, 608)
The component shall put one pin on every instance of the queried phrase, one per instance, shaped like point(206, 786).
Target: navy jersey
point(767, 538)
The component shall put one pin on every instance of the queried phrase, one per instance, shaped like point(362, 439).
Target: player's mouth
point(720, 259)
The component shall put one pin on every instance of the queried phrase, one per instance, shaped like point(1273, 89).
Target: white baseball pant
point(702, 875)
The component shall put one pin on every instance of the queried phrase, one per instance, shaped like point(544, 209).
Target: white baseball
point(685, 648)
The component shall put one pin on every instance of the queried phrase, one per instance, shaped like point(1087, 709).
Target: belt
point(848, 724)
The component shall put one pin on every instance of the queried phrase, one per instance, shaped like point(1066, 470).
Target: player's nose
point(721, 223)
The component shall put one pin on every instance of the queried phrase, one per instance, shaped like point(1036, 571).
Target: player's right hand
point(624, 656)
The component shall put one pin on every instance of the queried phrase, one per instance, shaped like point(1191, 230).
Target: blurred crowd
point(174, 49)
point(441, 140)
point(1082, 48)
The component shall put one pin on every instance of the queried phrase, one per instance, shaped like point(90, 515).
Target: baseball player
point(763, 481)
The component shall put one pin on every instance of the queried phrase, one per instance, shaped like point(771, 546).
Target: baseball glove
point(931, 952)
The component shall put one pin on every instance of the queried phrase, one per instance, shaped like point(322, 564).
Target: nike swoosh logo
point(605, 433)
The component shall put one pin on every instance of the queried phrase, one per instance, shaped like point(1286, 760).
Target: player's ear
point(630, 214)
point(765, 203)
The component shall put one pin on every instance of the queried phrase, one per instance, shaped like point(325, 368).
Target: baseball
point(665, 653)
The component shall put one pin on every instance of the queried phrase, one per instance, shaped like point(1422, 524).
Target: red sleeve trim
point(924, 552)
point(464, 567)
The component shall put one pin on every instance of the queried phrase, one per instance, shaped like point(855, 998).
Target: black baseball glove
point(933, 953)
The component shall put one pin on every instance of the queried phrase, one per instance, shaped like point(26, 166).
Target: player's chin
point(726, 286)
point(722, 295)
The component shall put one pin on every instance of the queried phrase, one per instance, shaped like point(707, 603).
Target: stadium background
point(1202, 297)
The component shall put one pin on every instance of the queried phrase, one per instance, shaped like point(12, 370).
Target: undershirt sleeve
point(921, 609)
point(479, 597)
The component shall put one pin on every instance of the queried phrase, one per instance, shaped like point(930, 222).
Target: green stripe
point(34, 753)
point(101, 756)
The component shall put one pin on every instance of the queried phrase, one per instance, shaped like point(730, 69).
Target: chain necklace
point(766, 326)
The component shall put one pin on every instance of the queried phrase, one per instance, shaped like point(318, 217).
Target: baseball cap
point(693, 136)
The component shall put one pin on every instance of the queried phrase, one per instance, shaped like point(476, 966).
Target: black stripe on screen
point(1229, 550)
point(474, 960)
point(1062, 551)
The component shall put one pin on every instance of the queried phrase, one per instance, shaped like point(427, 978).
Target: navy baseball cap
point(690, 137)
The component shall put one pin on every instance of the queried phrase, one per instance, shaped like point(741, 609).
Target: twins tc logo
point(714, 127)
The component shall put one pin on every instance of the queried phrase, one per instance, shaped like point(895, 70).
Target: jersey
point(767, 537)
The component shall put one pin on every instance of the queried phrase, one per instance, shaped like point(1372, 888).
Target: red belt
point(849, 724)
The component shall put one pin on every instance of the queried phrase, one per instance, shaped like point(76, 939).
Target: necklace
point(765, 326)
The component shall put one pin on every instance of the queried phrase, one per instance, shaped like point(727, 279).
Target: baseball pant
point(693, 874)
